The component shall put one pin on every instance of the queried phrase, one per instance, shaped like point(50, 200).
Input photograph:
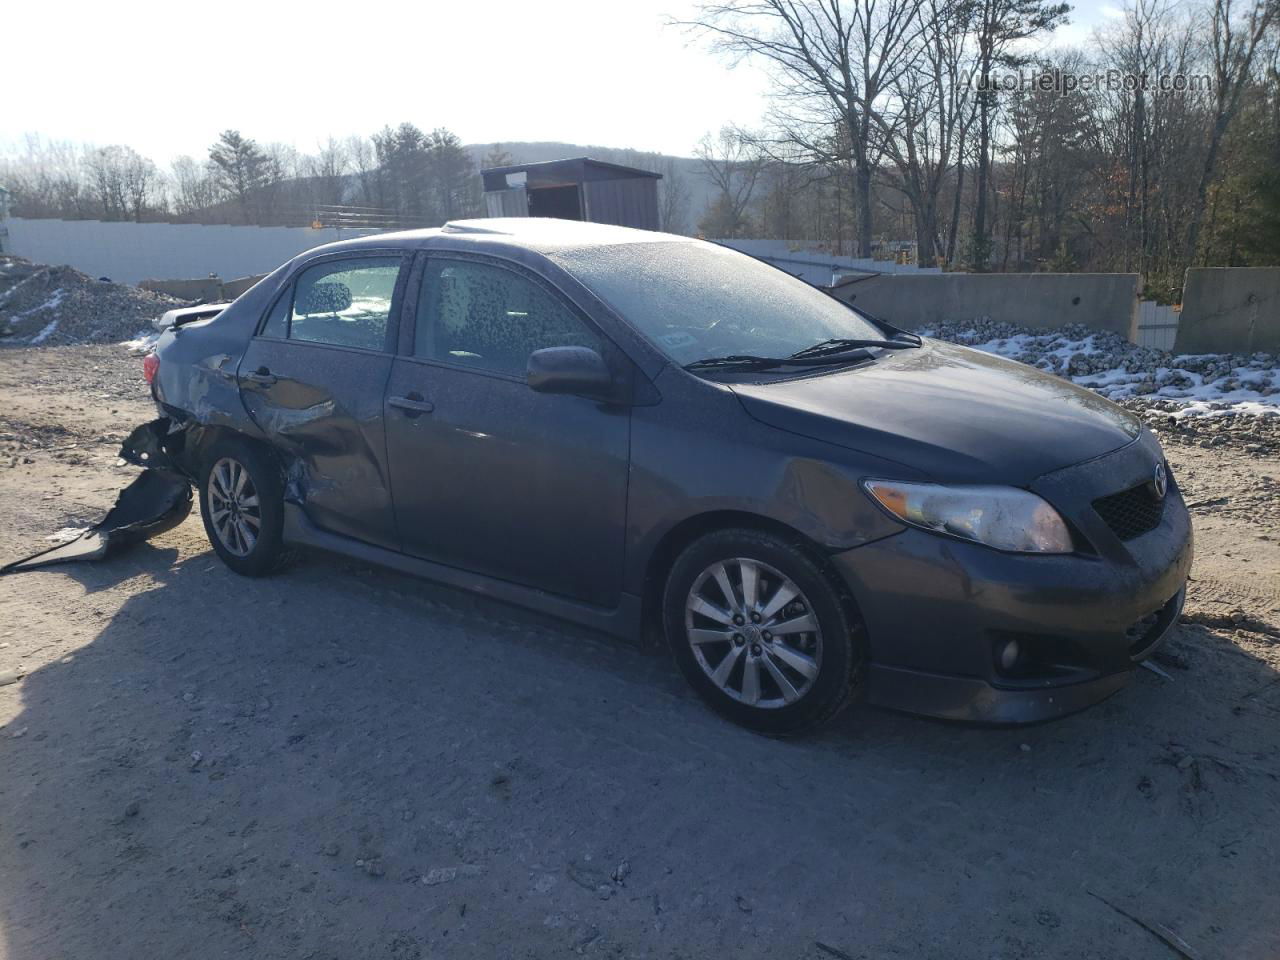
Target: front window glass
point(696, 300)
point(489, 317)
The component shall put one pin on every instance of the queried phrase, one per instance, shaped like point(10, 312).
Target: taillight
point(150, 364)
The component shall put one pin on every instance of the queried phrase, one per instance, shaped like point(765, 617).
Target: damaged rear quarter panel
point(322, 416)
point(196, 382)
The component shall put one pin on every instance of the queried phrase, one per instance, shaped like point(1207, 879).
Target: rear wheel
point(242, 505)
point(761, 632)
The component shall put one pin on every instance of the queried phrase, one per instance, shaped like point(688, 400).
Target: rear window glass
point(696, 300)
point(345, 303)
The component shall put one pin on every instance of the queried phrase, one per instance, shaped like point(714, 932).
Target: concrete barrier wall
point(233, 288)
point(1104, 301)
point(203, 289)
point(1230, 310)
point(131, 252)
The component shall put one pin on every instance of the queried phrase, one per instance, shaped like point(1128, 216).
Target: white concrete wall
point(1230, 310)
point(1042, 301)
point(131, 252)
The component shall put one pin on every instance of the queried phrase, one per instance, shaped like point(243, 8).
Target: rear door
point(490, 476)
point(313, 380)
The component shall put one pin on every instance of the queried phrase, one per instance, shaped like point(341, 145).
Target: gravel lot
point(341, 762)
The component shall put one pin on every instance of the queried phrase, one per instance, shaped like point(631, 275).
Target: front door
point(313, 380)
point(488, 475)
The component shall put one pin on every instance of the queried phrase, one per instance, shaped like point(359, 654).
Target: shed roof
point(574, 169)
point(579, 165)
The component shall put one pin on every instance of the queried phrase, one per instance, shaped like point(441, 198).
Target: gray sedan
point(665, 439)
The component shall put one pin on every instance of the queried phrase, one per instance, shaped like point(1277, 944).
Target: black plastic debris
point(154, 445)
point(158, 500)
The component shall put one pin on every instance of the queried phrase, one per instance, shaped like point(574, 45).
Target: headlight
point(1002, 517)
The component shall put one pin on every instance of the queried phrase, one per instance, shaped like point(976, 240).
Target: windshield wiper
point(740, 360)
point(841, 344)
point(749, 362)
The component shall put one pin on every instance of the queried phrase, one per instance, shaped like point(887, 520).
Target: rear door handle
point(413, 404)
point(262, 375)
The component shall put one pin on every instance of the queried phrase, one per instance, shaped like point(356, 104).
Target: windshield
point(699, 301)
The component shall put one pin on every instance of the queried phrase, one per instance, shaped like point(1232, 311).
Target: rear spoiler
point(185, 315)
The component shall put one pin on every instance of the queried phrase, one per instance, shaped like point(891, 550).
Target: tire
point(249, 541)
point(803, 677)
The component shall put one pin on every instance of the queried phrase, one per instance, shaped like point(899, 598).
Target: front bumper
point(938, 610)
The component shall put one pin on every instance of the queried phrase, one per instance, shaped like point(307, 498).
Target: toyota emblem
point(1160, 482)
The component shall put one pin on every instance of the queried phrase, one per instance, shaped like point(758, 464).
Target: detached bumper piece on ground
point(158, 500)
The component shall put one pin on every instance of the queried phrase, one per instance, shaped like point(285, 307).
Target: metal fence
point(1157, 325)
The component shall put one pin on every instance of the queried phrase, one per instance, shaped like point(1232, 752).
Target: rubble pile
point(60, 305)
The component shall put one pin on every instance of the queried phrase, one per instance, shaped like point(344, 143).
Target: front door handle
point(412, 405)
point(262, 375)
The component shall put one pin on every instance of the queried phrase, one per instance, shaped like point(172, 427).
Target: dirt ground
point(342, 762)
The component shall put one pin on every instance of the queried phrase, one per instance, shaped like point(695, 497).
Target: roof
point(540, 233)
point(573, 163)
point(503, 235)
point(563, 173)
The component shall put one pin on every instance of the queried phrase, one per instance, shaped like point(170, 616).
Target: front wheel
point(761, 632)
point(242, 505)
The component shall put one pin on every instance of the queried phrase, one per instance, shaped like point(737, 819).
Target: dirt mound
point(59, 305)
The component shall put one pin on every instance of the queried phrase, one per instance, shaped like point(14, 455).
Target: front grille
point(1131, 513)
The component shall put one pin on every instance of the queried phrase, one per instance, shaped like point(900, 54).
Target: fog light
point(1009, 655)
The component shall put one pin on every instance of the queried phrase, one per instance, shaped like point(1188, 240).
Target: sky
point(166, 78)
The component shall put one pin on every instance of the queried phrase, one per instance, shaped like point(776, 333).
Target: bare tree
point(936, 108)
point(673, 196)
point(1234, 43)
point(123, 182)
point(840, 58)
point(733, 165)
point(48, 180)
point(328, 170)
point(107, 182)
point(1003, 25)
point(194, 188)
point(364, 167)
point(1148, 138)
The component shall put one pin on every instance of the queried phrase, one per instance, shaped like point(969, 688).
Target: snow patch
point(143, 342)
point(45, 333)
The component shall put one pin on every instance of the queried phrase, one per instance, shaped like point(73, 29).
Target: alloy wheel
point(753, 632)
point(234, 507)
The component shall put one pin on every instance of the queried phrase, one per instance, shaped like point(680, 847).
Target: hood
point(957, 414)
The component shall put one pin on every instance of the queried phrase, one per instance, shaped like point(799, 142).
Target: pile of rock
point(59, 305)
point(1204, 384)
point(1256, 433)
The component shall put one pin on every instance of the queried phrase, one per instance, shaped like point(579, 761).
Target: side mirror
point(575, 370)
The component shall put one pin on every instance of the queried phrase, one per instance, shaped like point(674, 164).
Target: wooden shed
point(574, 189)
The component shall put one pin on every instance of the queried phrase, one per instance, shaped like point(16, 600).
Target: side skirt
point(621, 621)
